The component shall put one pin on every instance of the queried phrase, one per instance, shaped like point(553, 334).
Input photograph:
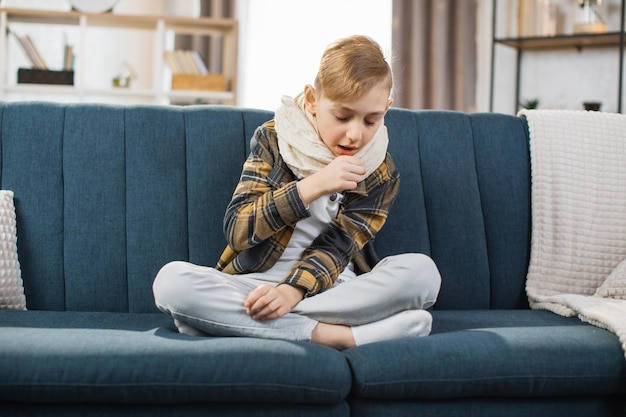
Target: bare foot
point(334, 335)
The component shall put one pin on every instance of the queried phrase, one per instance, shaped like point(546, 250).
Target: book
point(537, 18)
point(68, 59)
point(173, 62)
point(186, 62)
point(68, 54)
point(199, 63)
point(31, 51)
point(526, 18)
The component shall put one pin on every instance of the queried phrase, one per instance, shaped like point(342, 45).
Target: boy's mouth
point(346, 150)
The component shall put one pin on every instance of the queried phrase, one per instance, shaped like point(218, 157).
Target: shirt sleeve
point(265, 200)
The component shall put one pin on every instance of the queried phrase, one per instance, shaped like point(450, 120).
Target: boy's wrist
point(293, 294)
point(305, 189)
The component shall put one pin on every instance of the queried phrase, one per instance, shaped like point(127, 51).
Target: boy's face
point(345, 127)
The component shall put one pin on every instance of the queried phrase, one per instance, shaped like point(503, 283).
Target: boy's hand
point(267, 302)
point(343, 173)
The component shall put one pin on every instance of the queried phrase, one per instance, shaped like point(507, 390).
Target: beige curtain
point(434, 61)
point(210, 47)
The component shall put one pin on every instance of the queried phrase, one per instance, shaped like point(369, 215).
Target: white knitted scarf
point(302, 149)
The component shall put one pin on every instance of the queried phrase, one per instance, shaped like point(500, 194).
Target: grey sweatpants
point(212, 301)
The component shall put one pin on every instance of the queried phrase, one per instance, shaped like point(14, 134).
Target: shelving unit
point(158, 26)
point(616, 39)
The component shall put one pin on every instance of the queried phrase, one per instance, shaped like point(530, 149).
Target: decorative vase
point(185, 8)
point(589, 17)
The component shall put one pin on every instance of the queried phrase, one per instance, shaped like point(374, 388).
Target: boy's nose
point(354, 133)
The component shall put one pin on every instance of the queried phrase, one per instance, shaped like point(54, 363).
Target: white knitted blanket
point(578, 247)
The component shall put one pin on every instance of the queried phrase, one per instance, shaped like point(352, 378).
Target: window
point(282, 41)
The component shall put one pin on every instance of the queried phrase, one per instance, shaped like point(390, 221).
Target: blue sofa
point(105, 195)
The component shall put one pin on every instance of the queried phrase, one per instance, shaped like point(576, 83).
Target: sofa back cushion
point(465, 200)
point(105, 195)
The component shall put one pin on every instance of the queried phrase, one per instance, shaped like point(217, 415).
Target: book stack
point(186, 62)
point(189, 72)
point(39, 72)
point(31, 52)
point(537, 18)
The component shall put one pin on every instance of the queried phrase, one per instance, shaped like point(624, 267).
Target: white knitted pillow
point(11, 285)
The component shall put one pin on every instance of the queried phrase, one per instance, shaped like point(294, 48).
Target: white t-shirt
point(323, 211)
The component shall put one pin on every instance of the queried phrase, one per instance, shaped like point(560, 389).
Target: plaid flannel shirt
point(266, 206)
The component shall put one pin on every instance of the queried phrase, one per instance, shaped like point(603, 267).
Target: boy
point(315, 190)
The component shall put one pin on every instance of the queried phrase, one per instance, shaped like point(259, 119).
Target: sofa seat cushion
point(57, 357)
point(492, 354)
point(178, 410)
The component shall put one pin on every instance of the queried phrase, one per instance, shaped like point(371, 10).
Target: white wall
point(281, 42)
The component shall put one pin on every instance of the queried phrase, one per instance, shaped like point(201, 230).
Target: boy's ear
point(310, 99)
point(389, 104)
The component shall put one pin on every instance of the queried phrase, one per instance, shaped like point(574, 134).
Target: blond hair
point(350, 67)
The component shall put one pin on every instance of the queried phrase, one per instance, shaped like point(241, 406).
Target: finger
point(271, 312)
point(358, 169)
point(353, 160)
point(257, 308)
point(264, 313)
point(269, 306)
point(250, 300)
point(278, 307)
point(264, 296)
point(254, 296)
point(355, 164)
point(353, 167)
